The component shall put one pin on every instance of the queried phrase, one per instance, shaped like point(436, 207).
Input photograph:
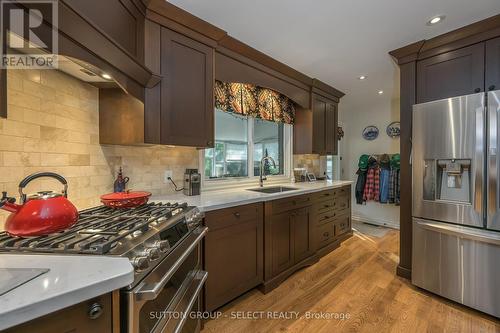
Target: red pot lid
point(126, 195)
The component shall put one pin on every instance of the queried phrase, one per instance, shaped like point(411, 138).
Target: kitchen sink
point(273, 189)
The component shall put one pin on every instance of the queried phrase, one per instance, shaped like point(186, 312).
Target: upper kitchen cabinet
point(492, 80)
point(315, 129)
point(455, 73)
point(187, 91)
point(126, 28)
point(324, 126)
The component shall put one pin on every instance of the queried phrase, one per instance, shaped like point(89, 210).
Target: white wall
point(353, 145)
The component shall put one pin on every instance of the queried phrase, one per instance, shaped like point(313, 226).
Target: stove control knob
point(151, 253)
point(140, 263)
point(162, 245)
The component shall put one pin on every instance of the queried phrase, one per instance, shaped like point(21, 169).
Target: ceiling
point(336, 40)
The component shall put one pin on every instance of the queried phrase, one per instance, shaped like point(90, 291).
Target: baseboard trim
point(381, 222)
point(403, 272)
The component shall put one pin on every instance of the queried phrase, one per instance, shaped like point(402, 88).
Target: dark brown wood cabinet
point(320, 123)
point(455, 73)
point(233, 253)
point(281, 242)
point(289, 238)
point(99, 314)
point(331, 121)
point(264, 243)
point(332, 216)
point(492, 79)
point(302, 227)
point(125, 26)
point(187, 98)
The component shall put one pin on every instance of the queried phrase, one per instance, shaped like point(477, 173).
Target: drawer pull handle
point(95, 311)
point(326, 194)
point(237, 214)
point(326, 234)
point(327, 206)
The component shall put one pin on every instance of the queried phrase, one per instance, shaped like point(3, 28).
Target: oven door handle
point(183, 306)
point(146, 294)
point(201, 277)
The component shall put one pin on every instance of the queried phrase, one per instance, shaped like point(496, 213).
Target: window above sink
point(240, 139)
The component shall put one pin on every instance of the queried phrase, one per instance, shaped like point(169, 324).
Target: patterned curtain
point(253, 101)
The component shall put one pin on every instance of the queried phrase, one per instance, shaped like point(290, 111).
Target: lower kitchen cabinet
point(264, 243)
point(99, 314)
point(332, 211)
point(233, 253)
point(289, 238)
point(302, 226)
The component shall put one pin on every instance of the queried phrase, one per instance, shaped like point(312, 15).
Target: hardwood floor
point(357, 280)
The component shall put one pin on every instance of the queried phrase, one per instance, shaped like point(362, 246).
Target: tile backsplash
point(53, 125)
point(311, 162)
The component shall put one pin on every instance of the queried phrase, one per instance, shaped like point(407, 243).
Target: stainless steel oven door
point(147, 307)
point(448, 141)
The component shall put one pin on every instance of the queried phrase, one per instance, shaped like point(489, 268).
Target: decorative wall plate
point(394, 129)
point(370, 132)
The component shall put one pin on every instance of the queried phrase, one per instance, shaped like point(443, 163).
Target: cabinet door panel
point(319, 135)
point(331, 129)
point(233, 260)
point(281, 242)
point(450, 74)
point(187, 101)
point(493, 64)
point(302, 234)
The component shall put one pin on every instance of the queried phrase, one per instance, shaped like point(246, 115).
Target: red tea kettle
point(39, 214)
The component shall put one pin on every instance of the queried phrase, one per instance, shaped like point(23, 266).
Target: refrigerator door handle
point(479, 176)
point(480, 235)
point(492, 165)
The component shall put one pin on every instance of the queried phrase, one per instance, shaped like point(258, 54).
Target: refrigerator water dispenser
point(447, 180)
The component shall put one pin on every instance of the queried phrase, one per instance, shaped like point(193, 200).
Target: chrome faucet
point(262, 178)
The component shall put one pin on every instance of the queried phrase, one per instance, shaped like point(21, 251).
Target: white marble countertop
point(212, 200)
point(70, 280)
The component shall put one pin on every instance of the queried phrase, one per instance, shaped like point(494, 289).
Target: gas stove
point(145, 234)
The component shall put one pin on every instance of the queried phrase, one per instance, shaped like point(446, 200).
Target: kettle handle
point(34, 176)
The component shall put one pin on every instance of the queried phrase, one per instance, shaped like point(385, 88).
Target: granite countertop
point(212, 200)
point(70, 280)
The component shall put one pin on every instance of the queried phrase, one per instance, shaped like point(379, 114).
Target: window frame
point(251, 179)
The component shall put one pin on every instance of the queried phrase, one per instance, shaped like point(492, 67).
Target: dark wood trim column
point(407, 99)
point(3, 93)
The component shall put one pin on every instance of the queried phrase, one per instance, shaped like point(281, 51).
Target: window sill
point(222, 184)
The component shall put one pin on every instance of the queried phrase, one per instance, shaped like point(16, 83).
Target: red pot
point(127, 199)
point(39, 214)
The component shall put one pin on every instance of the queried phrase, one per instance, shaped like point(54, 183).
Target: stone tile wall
point(53, 125)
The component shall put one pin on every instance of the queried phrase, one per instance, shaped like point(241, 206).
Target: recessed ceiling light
point(106, 76)
point(380, 92)
point(362, 77)
point(435, 20)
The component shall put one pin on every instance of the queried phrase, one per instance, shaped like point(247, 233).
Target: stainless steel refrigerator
point(456, 207)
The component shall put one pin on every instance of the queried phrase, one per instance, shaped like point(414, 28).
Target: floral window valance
point(254, 101)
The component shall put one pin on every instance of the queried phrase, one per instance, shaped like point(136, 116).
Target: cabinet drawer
point(325, 234)
point(342, 225)
point(286, 204)
point(326, 217)
point(342, 191)
point(223, 218)
point(342, 202)
point(324, 206)
point(323, 196)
